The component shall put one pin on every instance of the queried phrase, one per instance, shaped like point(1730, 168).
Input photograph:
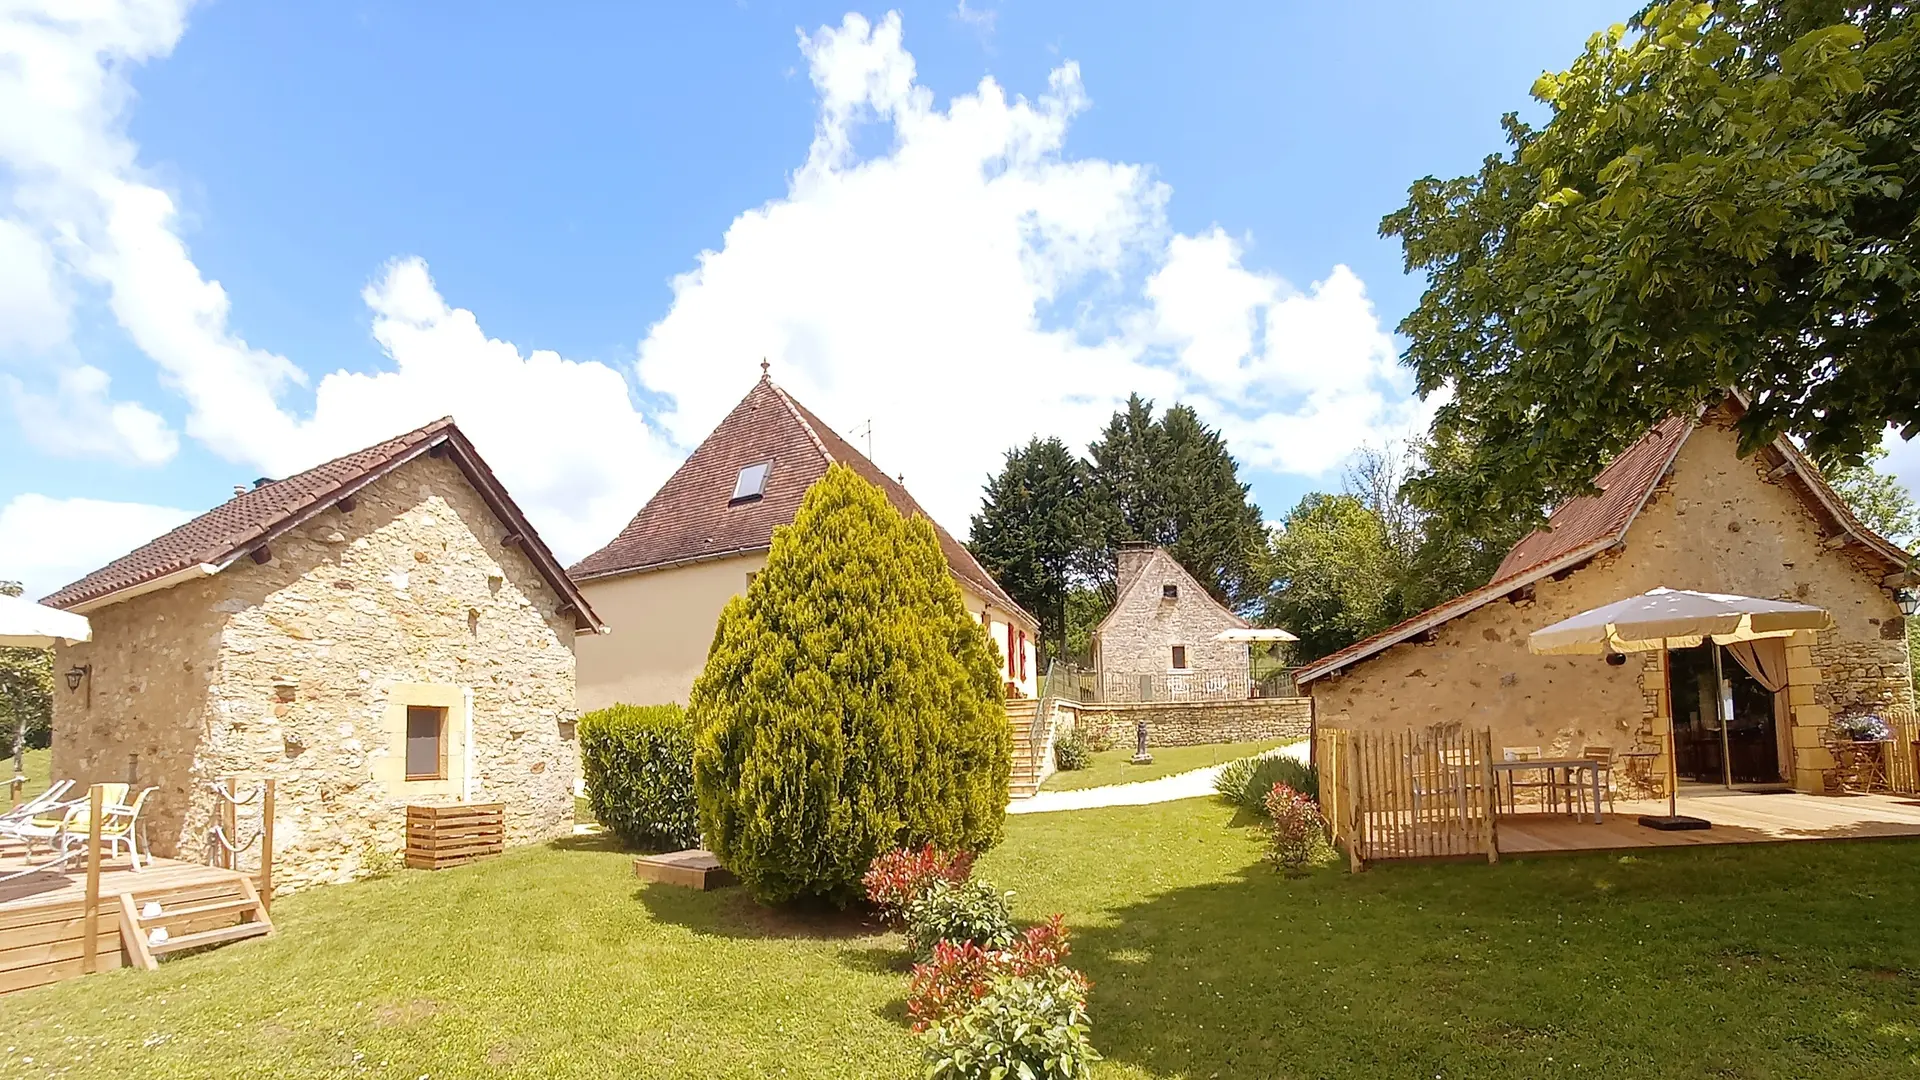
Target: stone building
point(1168, 638)
point(380, 630)
point(1681, 509)
point(706, 533)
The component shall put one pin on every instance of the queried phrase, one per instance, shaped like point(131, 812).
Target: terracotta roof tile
point(692, 517)
point(256, 515)
point(1624, 486)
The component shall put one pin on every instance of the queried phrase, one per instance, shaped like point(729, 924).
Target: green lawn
point(1752, 962)
point(37, 763)
point(1113, 766)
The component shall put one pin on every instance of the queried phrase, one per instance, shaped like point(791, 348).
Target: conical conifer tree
point(849, 704)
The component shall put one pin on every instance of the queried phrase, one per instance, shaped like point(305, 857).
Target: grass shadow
point(733, 913)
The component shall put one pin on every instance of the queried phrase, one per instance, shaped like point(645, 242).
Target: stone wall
point(294, 669)
point(1138, 636)
point(1197, 722)
point(1717, 524)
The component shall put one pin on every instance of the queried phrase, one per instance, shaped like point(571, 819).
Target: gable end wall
point(1715, 524)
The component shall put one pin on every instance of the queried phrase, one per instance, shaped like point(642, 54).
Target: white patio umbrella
point(1675, 619)
point(26, 624)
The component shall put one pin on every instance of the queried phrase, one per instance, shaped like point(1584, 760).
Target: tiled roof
point(1624, 486)
point(692, 516)
point(1587, 525)
point(254, 517)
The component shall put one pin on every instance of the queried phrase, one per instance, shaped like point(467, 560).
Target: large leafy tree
point(1725, 194)
point(1031, 531)
point(849, 704)
point(26, 694)
point(1171, 481)
point(1878, 499)
point(1335, 574)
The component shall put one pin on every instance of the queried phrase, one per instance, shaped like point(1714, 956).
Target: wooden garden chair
point(1603, 756)
point(1539, 782)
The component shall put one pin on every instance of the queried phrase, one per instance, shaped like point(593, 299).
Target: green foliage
point(849, 705)
point(1295, 829)
point(1723, 195)
point(1333, 575)
point(1030, 531)
point(1071, 753)
point(958, 911)
point(1033, 1027)
point(1246, 782)
point(638, 764)
point(26, 693)
point(1170, 481)
point(1345, 566)
point(1878, 499)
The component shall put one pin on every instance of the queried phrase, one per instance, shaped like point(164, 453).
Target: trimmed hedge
point(1246, 782)
point(638, 764)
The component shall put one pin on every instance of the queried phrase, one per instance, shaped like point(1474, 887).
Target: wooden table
point(1552, 766)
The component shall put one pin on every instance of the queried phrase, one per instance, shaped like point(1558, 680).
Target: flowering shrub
point(1028, 1026)
point(894, 879)
point(1861, 727)
point(1294, 827)
point(960, 974)
point(958, 912)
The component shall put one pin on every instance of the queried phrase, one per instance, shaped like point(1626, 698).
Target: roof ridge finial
point(763, 368)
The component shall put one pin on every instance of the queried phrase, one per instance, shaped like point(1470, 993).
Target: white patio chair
point(47, 801)
point(119, 823)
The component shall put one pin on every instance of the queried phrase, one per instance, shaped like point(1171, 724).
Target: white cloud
point(972, 286)
point(34, 306)
point(965, 287)
point(563, 436)
point(65, 96)
point(80, 420)
point(47, 543)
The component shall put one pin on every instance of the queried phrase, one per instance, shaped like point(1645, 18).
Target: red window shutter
point(1023, 654)
point(1010, 650)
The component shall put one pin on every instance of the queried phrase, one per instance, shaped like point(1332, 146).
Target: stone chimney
point(1132, 558)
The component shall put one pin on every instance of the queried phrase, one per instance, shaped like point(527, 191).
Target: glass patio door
point(1723, 720)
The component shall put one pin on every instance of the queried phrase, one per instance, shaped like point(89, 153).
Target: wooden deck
point(43, 916)
point(1738, 818)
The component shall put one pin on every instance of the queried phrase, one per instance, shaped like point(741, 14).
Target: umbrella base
point(1674, 822)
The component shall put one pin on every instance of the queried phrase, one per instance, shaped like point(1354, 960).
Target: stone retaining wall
point(1192, 723)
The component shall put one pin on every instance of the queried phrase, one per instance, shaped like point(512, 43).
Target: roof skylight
point(752, 482)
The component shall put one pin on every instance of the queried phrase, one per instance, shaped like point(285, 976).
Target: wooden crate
point(442, 836)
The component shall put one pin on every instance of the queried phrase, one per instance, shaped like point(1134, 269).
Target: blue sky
point(500, 211)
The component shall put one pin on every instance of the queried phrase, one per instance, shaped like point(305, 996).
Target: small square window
point(426, 742)
point(752, 482)
point(1179, 658)
point(1170, 592)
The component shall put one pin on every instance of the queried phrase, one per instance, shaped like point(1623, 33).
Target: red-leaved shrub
point(894, 879)
point(959, 975)
point(1294, 827)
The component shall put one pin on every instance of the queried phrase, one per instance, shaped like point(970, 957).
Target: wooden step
point(169, 916)
point(236, 932)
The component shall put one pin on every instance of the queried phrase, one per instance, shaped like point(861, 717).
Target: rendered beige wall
point(293, 670)
point(1717, 524)
point(662, 624)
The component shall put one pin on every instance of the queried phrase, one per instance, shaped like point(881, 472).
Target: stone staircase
point(1028, 753)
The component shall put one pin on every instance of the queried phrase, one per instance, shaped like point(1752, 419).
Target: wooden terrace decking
point(43, 916)
point(1738, 817)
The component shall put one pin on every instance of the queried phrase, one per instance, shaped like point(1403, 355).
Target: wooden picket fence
point(1408, 795)
point(1903, 773)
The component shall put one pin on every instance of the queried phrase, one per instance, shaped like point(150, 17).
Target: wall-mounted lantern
point(1908, 599)
point(76, 674)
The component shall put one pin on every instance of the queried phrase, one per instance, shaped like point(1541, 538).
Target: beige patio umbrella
point(1675, 619)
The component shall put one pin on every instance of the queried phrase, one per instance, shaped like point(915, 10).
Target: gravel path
point(1186, 785)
